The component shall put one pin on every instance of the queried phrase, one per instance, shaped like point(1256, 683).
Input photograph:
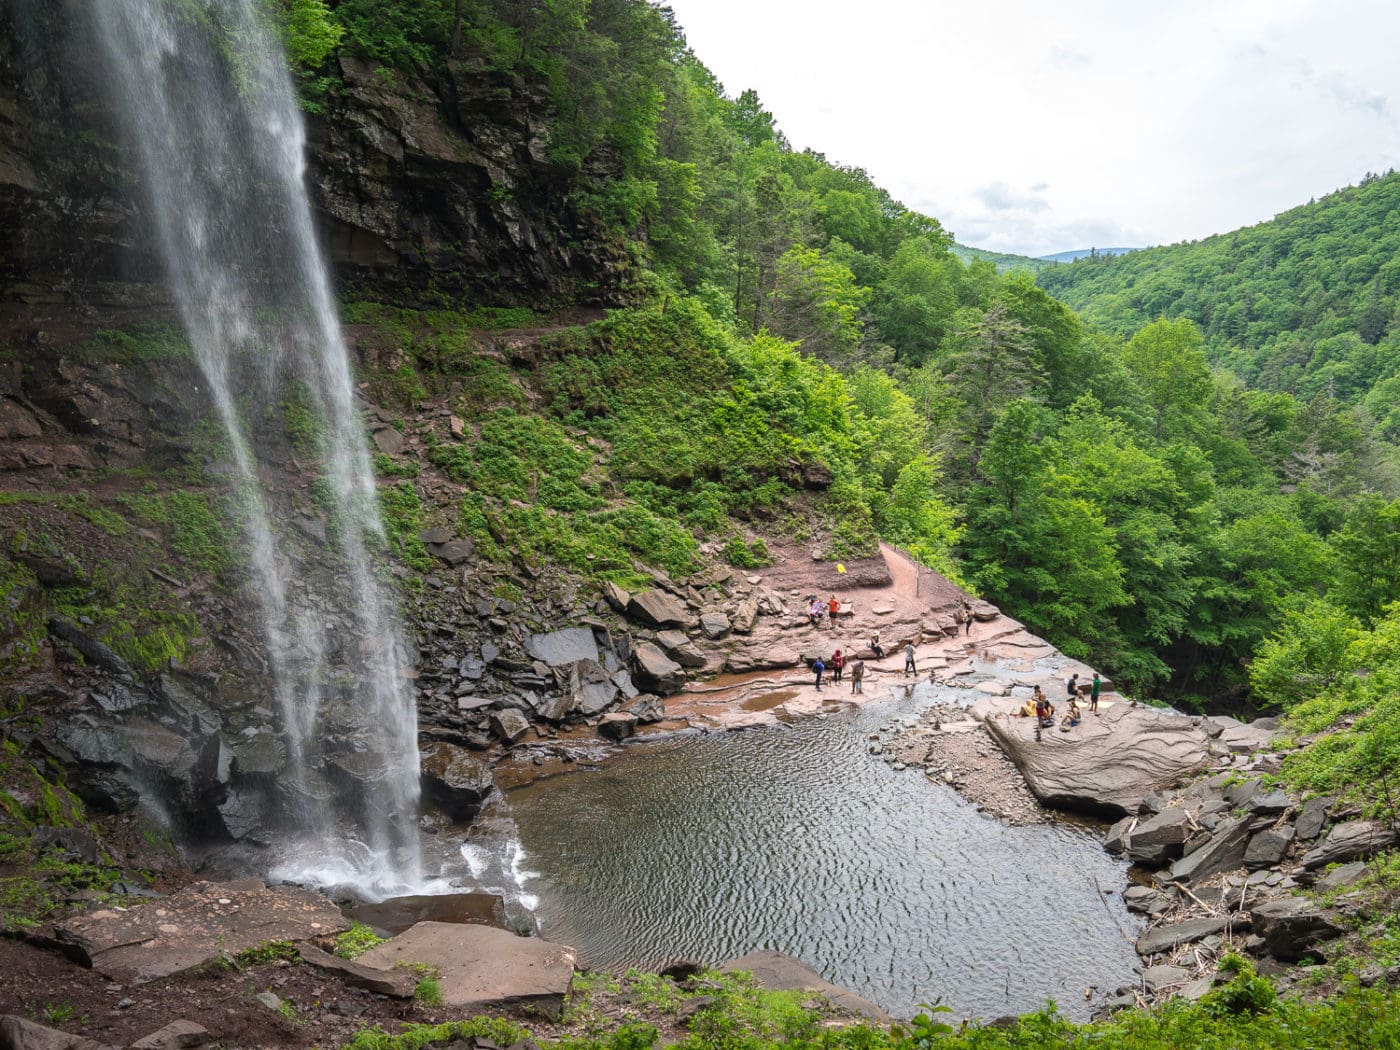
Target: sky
point(1037, 127)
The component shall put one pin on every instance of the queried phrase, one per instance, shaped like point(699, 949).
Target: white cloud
point(1153, 123)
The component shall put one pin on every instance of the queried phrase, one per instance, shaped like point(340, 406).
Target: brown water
point(794, 837)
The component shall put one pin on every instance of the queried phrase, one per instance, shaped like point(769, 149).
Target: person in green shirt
point(1094, 694)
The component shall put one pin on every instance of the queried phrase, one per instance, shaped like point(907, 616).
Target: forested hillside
point(1304, 304)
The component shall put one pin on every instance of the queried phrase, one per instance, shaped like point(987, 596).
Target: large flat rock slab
point(780, 972)
point(195, 926)
point(1106, 764)
point(480, 968)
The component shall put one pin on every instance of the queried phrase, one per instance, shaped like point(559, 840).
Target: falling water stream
point(210, 114)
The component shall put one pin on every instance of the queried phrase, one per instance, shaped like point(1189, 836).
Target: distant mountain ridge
point(1083, 253)
point(1007, 262)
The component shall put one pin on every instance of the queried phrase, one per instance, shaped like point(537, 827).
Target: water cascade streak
point(210, 112)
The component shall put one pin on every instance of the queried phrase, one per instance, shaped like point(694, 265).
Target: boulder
point(715, 624)
point(480, 968)
point(680, 648)
point(453, 552)
point(195, 926)
point(779, 972)
point(397, 984)
point(1293, 927)
point(1145, 900)
point(561, 648)
point(388, 440)
point(616, 596)
point(1340, 877)
point(1223, 851)
point(1107, 765)
point(393, 916)
point(591, 687)
point(648, 709)
point(656, 671)
point(617, 725)
point(1116, 839)
point(1158, 840)
point(1164, 938)
point(1158, 979)
point(1271, 804)
point(1350, 841)
point(657, 608)
point(177, 1035)
point(18, 1034)
point(556, 707)
point(509, 724)
point(745, 616)
point(1244, 740)
point(1268, 847)
point(456, 780)
point(1313, 817)
point(91, 650)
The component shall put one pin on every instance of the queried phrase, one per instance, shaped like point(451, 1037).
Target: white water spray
point(212, 118)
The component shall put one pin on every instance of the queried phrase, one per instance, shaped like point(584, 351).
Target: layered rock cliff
point(434, 189)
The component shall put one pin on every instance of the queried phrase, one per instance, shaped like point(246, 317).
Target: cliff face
point(429, 190)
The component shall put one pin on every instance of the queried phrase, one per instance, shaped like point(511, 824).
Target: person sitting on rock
point(858, 676)
point(814, 615)
point(833, 607)
point(1072, 685)
point(1045, 712)
point(876, 647)
point(817, 668)
point(1071, 718)
point(838, 663)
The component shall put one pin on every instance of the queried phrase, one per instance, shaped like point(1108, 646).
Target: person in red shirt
point(837, 663)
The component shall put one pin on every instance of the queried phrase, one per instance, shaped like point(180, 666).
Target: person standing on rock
point(1094, 694)
point(876, 647)
point(838, 663)
point(909, 658)
point(858, 676)
point(817, 668)
point(967, 617)
point(834, 608)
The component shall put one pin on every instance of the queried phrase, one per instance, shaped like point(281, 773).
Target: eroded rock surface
point(1106, 765)
point(482, 968)
point(196, 925)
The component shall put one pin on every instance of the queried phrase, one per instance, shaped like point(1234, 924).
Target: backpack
point(819, 666)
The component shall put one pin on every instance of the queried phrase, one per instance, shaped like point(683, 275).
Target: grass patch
point(355, 941)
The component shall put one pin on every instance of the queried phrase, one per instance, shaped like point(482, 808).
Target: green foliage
point(265, 953)
point(415, 1037)
point(401, 510)
point(355, 941)
point(197, 534)
point(428, 992)
point(1340, 682)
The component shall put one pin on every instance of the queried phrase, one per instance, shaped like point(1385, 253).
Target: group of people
point(838, 670)
point(831, 608)
point(1042, 710)
point(837, 664)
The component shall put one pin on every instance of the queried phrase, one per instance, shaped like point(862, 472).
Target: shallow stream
point(795, 837)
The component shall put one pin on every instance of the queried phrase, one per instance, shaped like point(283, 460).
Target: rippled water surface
point(796, 838)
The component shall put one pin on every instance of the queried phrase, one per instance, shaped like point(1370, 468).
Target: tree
point(1368, 550)
point(1167, 358)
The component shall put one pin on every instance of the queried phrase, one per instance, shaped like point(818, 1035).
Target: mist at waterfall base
point(210, 115)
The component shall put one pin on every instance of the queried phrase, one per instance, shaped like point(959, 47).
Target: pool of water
point(794, 837)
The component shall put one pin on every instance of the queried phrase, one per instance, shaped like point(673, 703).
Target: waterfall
point(209, 111)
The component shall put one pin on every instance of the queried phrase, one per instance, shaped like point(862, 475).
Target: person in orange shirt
point(833, 607)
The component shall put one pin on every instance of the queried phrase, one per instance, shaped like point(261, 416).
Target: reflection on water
point(796, 838)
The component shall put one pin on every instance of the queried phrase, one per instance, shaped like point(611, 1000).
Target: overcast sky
point(1036, 127)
